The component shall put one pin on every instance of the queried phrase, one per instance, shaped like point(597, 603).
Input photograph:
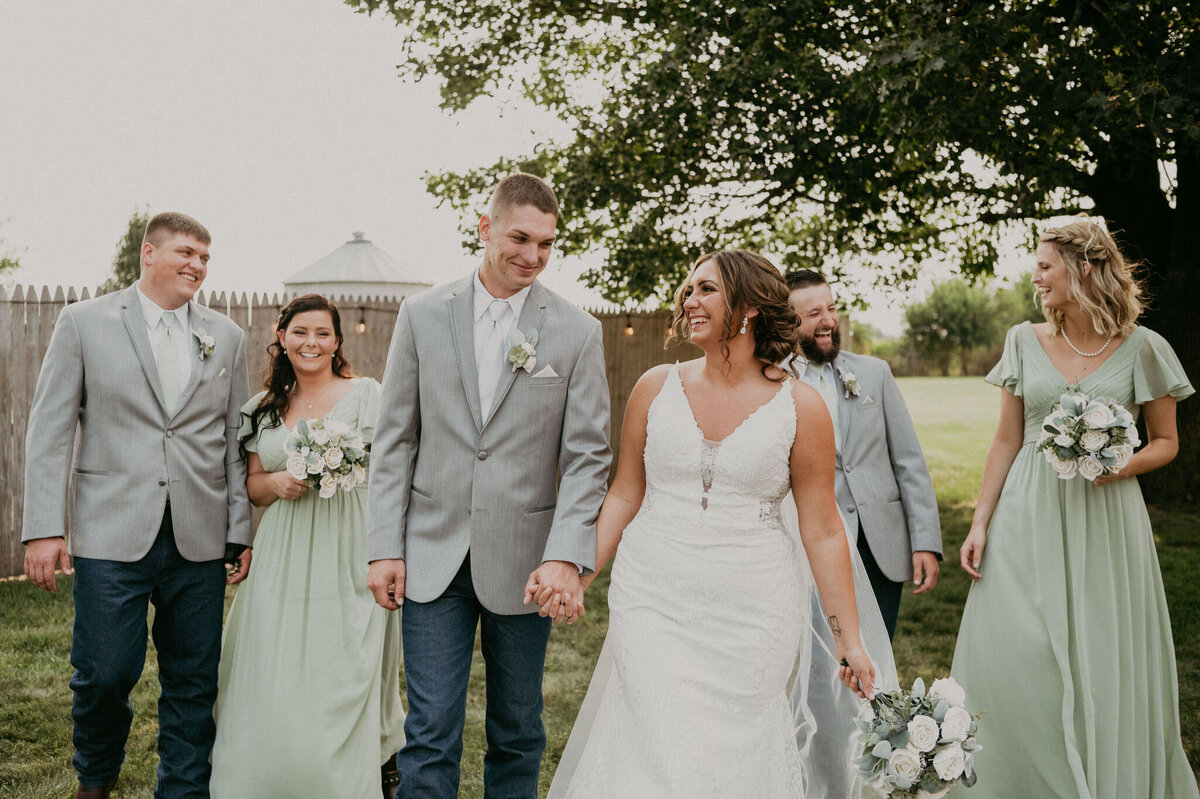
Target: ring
point(975, 564)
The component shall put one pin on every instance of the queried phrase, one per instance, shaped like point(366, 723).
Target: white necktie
point(491, 355)
point(828, 389)
point(168, 363)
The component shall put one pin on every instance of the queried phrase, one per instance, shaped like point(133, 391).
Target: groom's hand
point(556, 588)
point(42, 556)
point(386, 581)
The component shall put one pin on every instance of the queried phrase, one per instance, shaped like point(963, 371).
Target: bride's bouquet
point(918, 743)
point(1087, 435)
point(327, 455)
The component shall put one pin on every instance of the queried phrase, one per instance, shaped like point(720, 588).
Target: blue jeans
point(439, 639)
point(887, 592)
point(108, 651)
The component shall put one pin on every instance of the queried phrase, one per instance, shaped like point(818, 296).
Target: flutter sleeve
point(1157, 371)
point(368, 408)
point(244, 430)
point(1007, 373)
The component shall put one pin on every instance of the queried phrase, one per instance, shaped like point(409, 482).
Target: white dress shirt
point(181, 334)
point(489, 372)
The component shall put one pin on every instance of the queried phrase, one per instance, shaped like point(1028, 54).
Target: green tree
point(958, 317)
point(127, 263)
point(1016, 304)
point(8, 260)
point(895, 129)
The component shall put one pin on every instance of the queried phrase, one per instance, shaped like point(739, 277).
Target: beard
point(818, 356)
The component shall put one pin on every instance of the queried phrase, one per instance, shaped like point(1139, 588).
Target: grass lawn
point(955, 418)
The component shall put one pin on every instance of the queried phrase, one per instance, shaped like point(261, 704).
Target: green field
point(954, 417)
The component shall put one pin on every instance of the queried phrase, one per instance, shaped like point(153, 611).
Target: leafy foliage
point(956, 318)
point(127, 263)
point(897, 131)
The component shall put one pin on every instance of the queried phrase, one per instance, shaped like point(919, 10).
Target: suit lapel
point(845, 404)
point(135, 325)
point(199, 316)
point(462, 333)
point(533, 315)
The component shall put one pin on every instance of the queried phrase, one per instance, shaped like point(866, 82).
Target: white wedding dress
point(708, 685)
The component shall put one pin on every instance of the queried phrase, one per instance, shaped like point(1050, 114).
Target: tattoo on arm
point(834, 627)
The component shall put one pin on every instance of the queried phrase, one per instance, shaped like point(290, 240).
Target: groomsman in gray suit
point(882, 483)
point(487, 473)
point(147, 386)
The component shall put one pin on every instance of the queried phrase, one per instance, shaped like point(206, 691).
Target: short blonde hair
point(1109, 292)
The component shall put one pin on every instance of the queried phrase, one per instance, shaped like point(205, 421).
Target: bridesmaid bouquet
point(1087, 435)
point(327, 455)
point(918, 744)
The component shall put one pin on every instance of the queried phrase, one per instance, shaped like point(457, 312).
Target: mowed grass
point(955, 418)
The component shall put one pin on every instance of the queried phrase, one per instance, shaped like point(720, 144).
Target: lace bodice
point(748, 471)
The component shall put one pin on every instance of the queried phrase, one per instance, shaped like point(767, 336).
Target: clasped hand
point(555, 587)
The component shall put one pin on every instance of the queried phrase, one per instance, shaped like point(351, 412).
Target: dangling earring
point(745, 321)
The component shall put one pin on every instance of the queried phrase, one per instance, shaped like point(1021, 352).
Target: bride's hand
point(856, 670)
point(971, 553)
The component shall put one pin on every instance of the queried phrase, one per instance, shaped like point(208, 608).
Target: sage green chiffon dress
point(308, 703)
point(1065, 641)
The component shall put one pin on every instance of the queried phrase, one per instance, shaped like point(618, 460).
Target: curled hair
point(748, 281)
point(280, 378)
point(519, 189)
point(1109, 293)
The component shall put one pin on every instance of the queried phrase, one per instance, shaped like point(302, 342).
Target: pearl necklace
point(1072, 346)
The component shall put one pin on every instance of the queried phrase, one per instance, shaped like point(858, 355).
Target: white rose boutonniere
point(849, 382)
point(207, 342)
point(521, 353)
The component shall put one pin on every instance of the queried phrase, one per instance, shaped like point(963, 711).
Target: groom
point(488, 470)
point(881, 480)
point(154, 384)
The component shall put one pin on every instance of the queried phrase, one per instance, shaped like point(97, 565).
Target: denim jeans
point(439, 638)
point(108, 651)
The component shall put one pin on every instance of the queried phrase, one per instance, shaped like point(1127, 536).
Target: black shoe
point(389, 778)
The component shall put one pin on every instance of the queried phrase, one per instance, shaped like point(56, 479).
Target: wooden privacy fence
point(633, 342)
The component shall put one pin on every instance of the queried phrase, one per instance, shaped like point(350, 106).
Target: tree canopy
point(127, 263)
point(820, 130)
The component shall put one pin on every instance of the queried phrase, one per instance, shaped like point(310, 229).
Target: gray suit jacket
point(881, 478)
point(447, 479)
point(98, 392)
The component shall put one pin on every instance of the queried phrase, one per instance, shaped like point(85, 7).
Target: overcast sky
point(282, 126)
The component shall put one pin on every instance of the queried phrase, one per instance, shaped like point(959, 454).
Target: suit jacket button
point(170, 434)
point(850, 509)
point(848, 469)
point(162, 482)
point(482, 455)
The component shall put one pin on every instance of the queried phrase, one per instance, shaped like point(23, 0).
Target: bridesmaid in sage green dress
point(1065, 639)
point(309, 688)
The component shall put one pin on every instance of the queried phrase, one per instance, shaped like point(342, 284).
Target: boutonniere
point(521, 353)
point(850, 383)
point(207, 342)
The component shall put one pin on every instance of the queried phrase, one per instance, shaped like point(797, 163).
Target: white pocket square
point(547, 372)
point(222, 373)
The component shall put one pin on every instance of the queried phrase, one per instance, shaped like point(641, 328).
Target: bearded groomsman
point(882, 483)
point(147, 386)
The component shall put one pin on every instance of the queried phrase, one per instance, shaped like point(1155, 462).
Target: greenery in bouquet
point(328, 455)
point(1087, 435)
point(918, 743)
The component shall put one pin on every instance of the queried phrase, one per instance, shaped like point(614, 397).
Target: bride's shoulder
point(652, 381)
point(805, 395)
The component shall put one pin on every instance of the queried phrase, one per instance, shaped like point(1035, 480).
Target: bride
point(716, 677)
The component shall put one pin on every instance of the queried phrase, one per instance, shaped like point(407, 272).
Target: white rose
point(360, 474)
point(314, 463)
point(348, 482)
point(1122, 452)
point(949, 762)
point(1090, 468)
point(1094, 440)
point(329, 486)
point(1097, 415)
point(905, 763)
point(319, 435)
point(948, 688)
point(923, 733)
point(956, 725)
point(296, 466)
point(333, 457)
point(337, 428)
point(1066, 469)
point(1064, 440)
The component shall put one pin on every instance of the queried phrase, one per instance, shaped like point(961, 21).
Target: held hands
point(385, 578)
point(42, 557)
point(556, 588)
point(971, 553)
point(856, 670)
